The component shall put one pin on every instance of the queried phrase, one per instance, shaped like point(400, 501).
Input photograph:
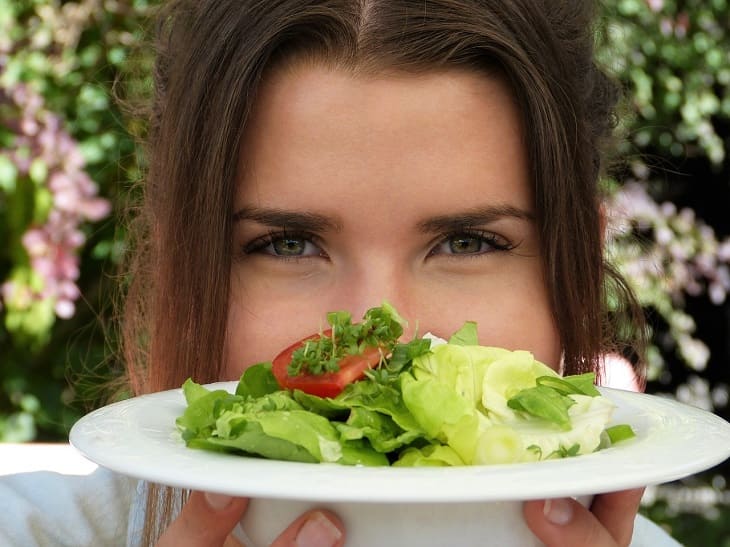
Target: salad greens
point(431, 402)
point(380, 327)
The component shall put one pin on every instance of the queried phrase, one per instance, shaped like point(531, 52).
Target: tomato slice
point(329, 384)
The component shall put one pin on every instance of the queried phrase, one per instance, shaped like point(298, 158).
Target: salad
point(353, 394)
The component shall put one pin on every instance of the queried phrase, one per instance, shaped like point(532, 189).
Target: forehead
point(306, 90)
point(316, 127)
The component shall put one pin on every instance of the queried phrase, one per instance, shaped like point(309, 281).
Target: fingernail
point(217, 502)
point(558, 511)
point(318, 531)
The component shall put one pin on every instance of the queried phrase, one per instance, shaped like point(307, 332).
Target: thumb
point(205, 521)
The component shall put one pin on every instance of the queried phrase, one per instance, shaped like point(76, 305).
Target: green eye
point(285, 245)
point(289, 246)
point(465, 244)
point(471, 243)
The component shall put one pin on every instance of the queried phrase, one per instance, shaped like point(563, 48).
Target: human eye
point(284, 245)
point(470, 243)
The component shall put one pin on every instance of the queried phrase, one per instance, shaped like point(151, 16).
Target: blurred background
point(73, 74)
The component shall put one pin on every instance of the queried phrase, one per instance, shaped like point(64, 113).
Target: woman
point(310, 156)
point(313, 156)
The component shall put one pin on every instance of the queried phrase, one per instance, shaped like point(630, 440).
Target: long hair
point(212, 56)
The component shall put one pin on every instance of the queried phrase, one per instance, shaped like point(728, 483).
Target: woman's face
point(408, 188)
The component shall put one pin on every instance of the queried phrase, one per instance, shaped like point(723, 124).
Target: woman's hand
point(566, 523)
point(208, 519)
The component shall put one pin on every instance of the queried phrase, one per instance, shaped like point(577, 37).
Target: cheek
point(513, 315)
point(525, 320)
point(259, 328)
point(528, 324)
point(534, 332)
point(249, 341)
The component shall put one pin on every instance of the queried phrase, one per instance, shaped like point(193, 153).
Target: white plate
point(137, 437)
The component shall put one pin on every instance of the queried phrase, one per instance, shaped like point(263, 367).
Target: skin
point(409, 188)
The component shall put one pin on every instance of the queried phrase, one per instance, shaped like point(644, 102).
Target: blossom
point(667, 253)
point(53, 243)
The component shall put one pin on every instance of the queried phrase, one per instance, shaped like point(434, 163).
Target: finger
point(316, 528)
point(205, 521)
point(617, 512)
point(564, 522)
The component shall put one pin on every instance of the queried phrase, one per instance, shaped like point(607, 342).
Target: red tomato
point(329, 384)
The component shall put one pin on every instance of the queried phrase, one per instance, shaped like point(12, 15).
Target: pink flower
point(655, 5)
point(95, 209)
point(53, 246)
point(64, 309)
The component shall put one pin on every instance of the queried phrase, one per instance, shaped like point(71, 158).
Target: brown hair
point(212, 57)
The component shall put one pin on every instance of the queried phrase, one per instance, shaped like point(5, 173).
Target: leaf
point(385, 399)
point(38, 171)
point(403, 354)
point(382, 432)
point(570, 452)
point(199, 416)
point(544, 402)
point(339, 319)
point(577, 384)
point(466, 335)
point(257, 381)
point(429, 456)
point(8, 174)
point(585, 383)
point(621, 432)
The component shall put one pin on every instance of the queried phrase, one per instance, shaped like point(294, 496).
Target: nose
point(378, 282)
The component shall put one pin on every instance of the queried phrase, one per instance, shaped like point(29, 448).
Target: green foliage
point(693, 528)
point(674, 57)
point(696, 512)
point(63, 138)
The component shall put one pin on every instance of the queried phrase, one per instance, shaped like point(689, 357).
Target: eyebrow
point(473, 217)
point(292, 220)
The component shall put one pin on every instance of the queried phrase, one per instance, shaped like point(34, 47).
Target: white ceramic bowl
point(400, 524)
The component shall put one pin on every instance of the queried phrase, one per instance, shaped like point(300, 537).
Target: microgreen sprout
point(381, 327)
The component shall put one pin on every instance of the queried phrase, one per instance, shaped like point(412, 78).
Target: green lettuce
point(492, 405)
point(434, 403)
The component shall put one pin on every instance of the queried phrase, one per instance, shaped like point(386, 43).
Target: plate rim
point(305, 481)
